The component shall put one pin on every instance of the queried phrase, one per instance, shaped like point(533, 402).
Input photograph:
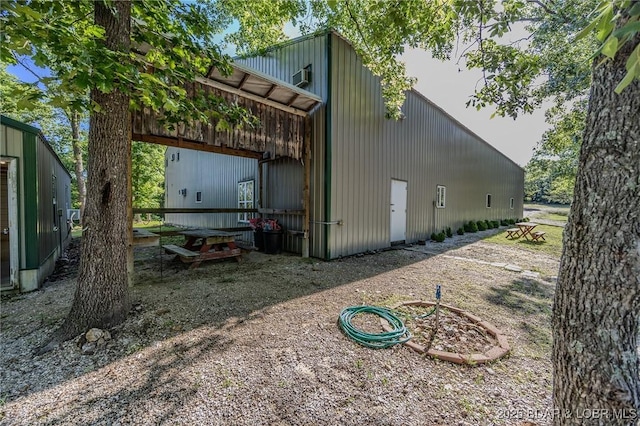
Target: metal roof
point(255, 85)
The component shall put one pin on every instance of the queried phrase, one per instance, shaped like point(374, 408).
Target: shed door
point(8, 224)
point(398, 210)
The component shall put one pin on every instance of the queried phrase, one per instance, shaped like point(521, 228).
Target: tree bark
point(596, 319)
point(101, 298)
point(74, 119)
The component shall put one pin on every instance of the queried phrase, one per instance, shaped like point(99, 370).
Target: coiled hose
point(399, 334)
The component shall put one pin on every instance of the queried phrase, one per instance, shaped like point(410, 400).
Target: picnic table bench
point(205, 244)
point(536, 236)
point(144, 238)
point(513, 233)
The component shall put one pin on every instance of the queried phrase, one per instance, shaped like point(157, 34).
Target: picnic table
point(205, 244)
point(525, 229)
point(144, 238)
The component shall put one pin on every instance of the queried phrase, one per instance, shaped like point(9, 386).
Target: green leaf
point(633, 70)
point(25, 103)
point(629, 29)
point(606, 24)
point(628, 78)
point(610, 47)
point(582, 34)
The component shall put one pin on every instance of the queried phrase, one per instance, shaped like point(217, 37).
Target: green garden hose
point(399, 334)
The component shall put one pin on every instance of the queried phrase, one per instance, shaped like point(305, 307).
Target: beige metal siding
point(283, 184)
point(216, 176)
point(287, 59)
point(282, 62)
point(426, 149)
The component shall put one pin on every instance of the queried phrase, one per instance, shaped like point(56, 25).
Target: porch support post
point(260, 187)
point(306, 193)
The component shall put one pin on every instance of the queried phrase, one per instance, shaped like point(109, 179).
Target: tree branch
point(26, 67)
point(543, 6)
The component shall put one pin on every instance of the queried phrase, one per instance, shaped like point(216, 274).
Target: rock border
point(492, 354)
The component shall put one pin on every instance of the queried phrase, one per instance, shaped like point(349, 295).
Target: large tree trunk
point(102, 298)
point(74, 118)
point(596, 318)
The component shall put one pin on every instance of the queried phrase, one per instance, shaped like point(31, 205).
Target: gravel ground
point(256, 343)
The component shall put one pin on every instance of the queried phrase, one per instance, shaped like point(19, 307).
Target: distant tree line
point(551, 174)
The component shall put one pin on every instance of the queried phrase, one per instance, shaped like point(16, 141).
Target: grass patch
point(555, 208)
point(553, 216)
point(155, 226)
point(552, 244)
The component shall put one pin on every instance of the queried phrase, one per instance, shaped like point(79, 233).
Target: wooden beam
point(306, 191)
point(293, 99)
point(164, 210)
point(197, 146)
point(244, 80)
point(248, 95)
point(271, 90)
point(282, 211)
point(260, 186)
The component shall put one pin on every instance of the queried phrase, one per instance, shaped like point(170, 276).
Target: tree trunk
point(596, 319)
point(74, 118)
point(102, 298)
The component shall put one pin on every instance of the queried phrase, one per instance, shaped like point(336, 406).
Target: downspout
point(327, 153)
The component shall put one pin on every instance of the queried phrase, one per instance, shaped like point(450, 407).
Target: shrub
point(433, 236)
point(449, 232)
point(473, 227)
point(440, 237)
point(481, 225)
point(488, 223)
point(511, 221)
point(460, 231)
point(526, 219)
point(495, 224)
point(504, 222)
point(467, 227)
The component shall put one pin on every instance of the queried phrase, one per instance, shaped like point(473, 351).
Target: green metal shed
point(35, 196)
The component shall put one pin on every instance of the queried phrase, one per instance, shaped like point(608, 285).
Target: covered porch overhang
point(281, 108)
point(285, 131)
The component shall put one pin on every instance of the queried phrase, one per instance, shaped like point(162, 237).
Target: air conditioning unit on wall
point(302, 77)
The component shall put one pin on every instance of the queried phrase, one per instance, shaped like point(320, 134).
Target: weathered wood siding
point(279, 132)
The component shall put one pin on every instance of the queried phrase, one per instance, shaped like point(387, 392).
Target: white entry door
point(398, 210)
point(8, 224)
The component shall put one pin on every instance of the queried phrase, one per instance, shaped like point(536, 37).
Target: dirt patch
point(257, 343)
point(452, 332)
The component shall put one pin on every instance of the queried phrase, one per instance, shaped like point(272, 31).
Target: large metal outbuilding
point(35, 196)
point(373, 181)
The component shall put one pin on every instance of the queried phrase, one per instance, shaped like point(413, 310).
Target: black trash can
point(272, 242)
point(258, 239)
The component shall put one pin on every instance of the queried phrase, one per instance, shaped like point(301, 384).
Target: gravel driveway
point(256, 343)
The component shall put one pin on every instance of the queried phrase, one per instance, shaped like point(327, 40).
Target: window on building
point(488, 200)
point(245, 199)
point(198, 196)
point(511, 203)
point(441, 195)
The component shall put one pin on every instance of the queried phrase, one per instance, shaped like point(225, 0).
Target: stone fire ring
point(492, 354)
